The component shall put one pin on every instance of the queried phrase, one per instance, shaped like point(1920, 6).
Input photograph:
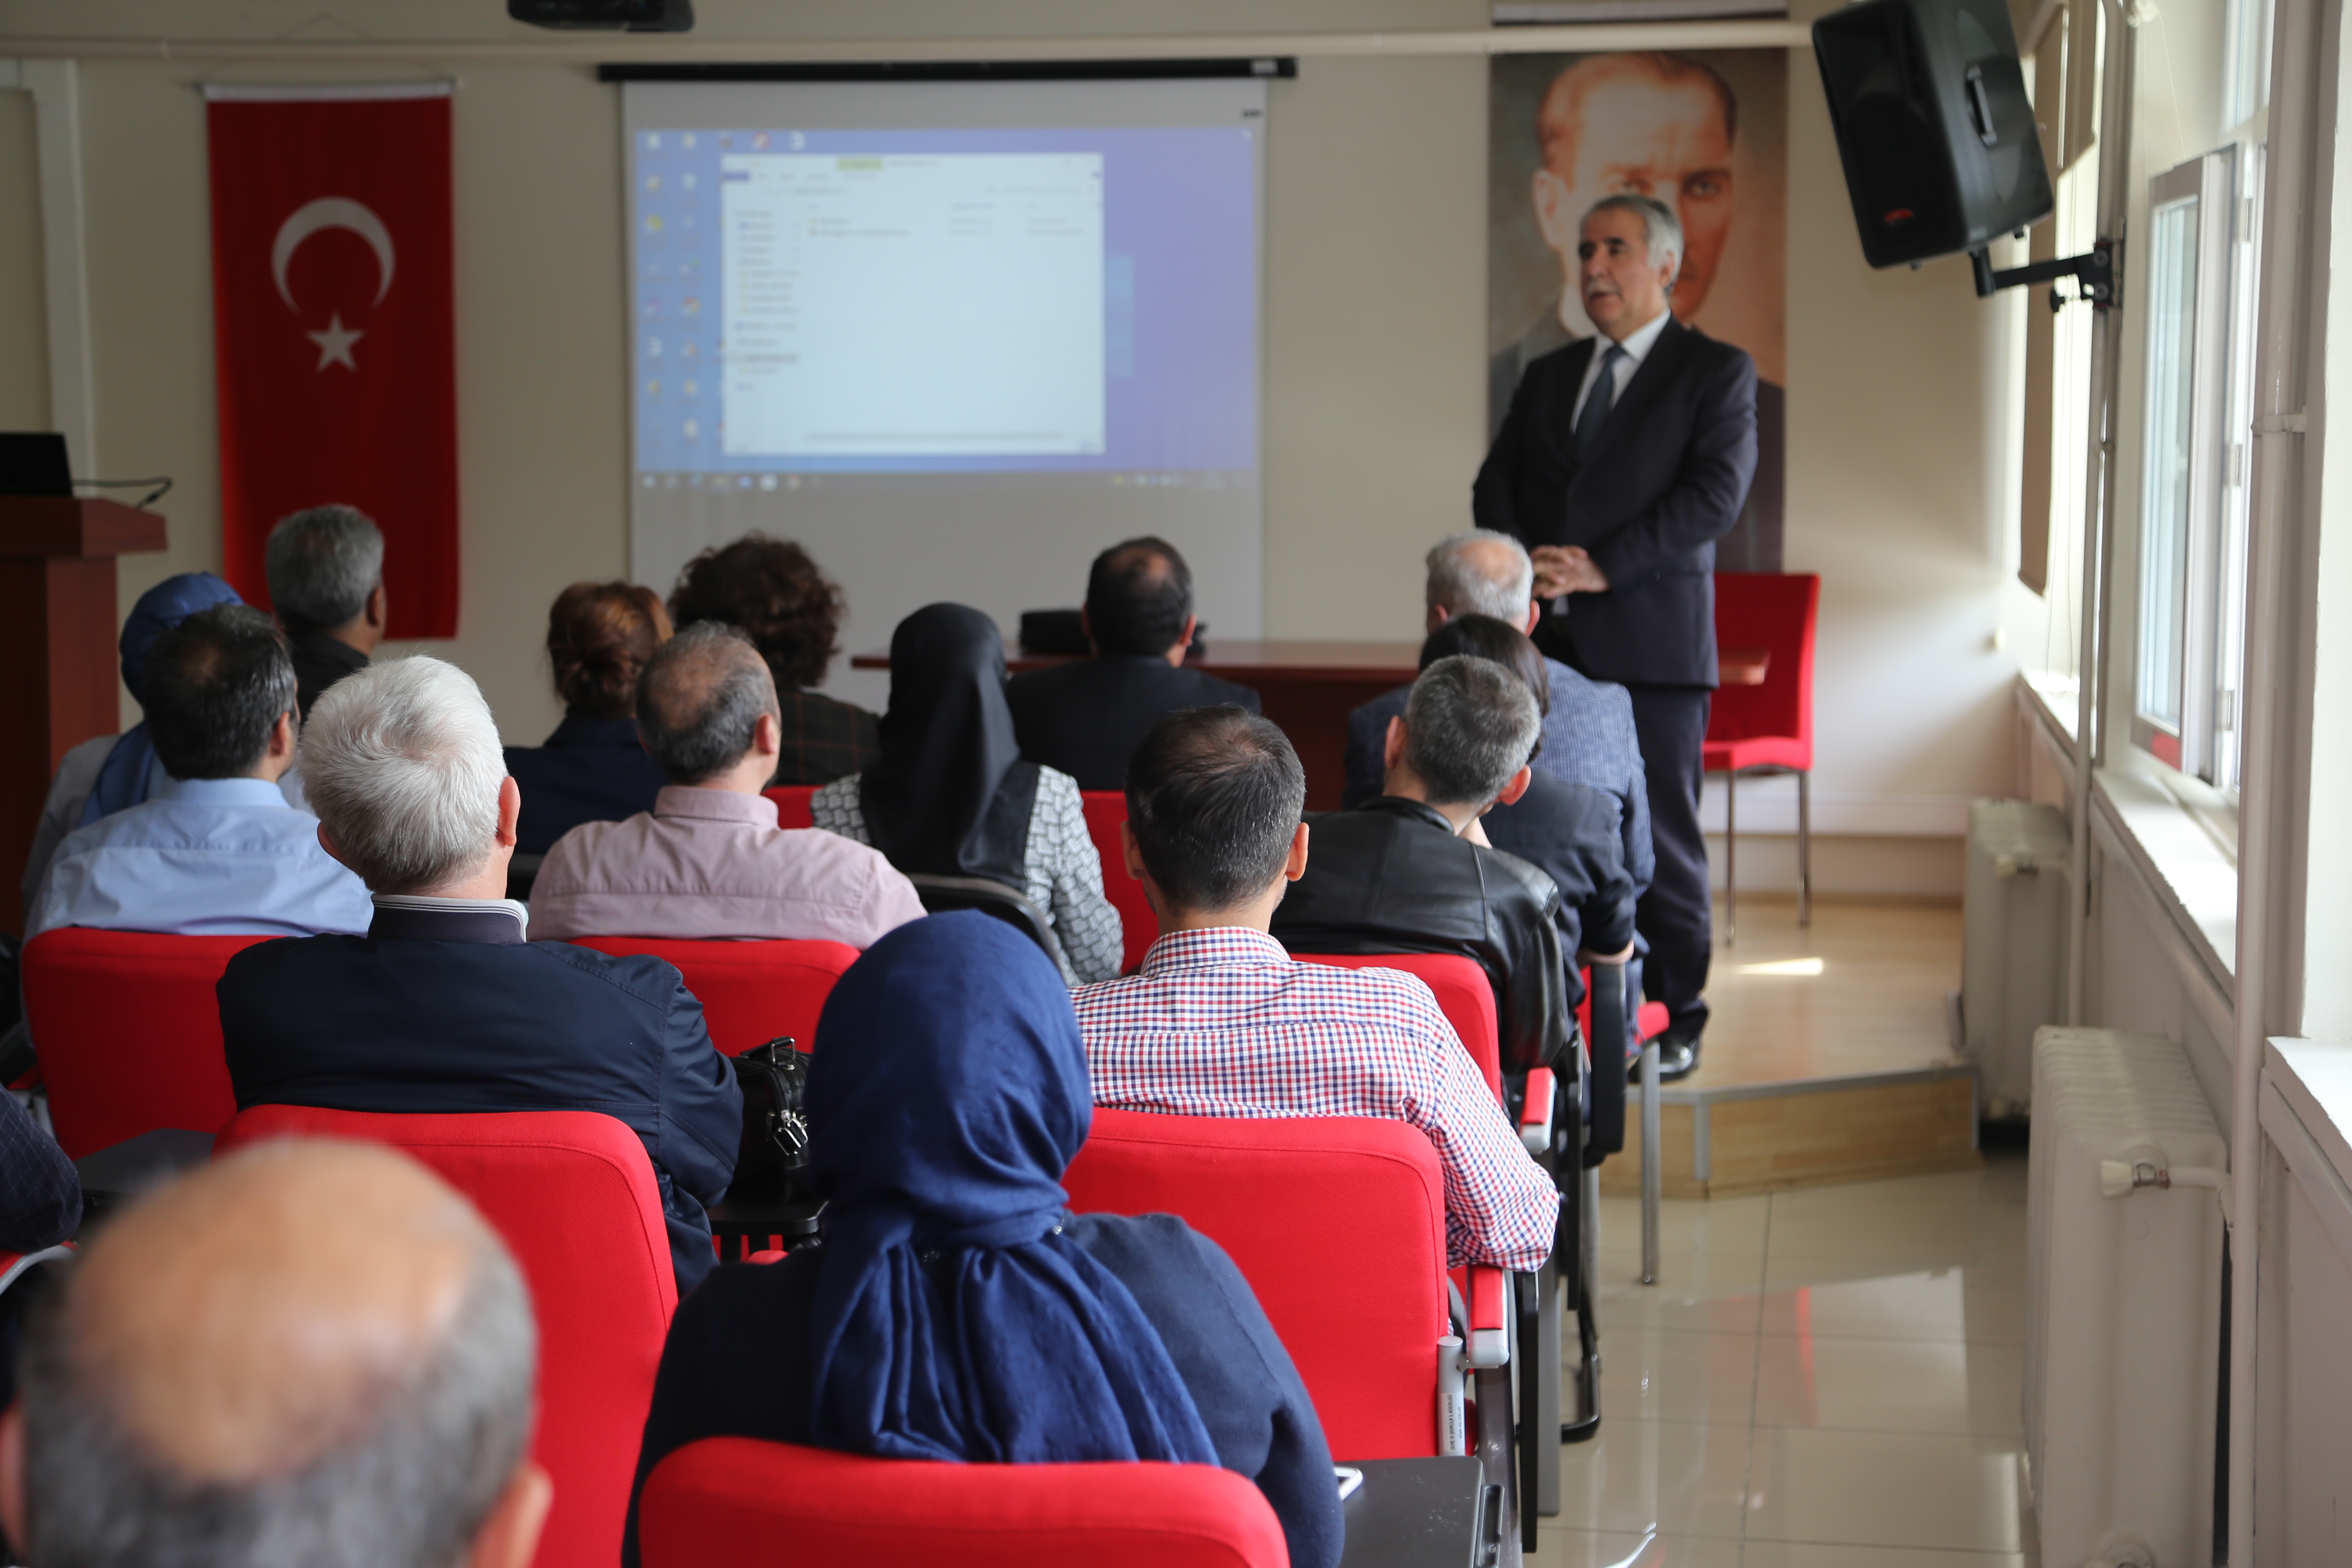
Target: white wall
point(1374, 308)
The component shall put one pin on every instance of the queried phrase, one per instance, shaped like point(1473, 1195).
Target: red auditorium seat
point(1106, 812)
point(792, 805)
point(573, 1194)
point(750, 1504)
point(1339, 1223)
point(750, 991)
point(1464, 994)
point(1766, 729)
point(129, 1031)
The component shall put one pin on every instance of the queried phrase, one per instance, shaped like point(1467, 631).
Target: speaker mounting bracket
point(2093, 272)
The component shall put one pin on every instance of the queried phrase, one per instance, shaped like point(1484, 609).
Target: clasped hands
point(1566, 569)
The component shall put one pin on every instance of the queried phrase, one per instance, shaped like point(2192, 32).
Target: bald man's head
point(307, 1353)
point(700, 702)
point(1139, 598)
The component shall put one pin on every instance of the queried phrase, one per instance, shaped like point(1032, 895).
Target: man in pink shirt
point(709, 860)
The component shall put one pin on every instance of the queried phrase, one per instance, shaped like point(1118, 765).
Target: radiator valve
point(2120, 1177)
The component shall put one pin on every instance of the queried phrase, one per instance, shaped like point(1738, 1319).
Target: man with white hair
point(309, 1352)
point(445, 1005)
point(1622, 461)
point(1588, 730)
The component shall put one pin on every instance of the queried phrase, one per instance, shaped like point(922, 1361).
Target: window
point(2193, 490)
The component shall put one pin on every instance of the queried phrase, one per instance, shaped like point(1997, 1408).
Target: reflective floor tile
point(1732, 1227)
point(1983, 1302)
point(1610, 1549)
point(1890, 1385)
point(1701, 1292)
point(1957, 1216)
point(1672, 1374)
point(1675, 1477)
point(1883, 1488)
point(1815, 1555)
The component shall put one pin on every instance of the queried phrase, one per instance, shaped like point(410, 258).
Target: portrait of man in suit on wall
point(1705, 133)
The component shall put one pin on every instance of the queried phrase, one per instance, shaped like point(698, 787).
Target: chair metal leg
point(1730, 859)
point(1493, 1444)
point(1804, 847)
point(1650, 1088)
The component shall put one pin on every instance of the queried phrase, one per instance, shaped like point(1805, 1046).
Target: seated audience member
point(325, 567)
point(307, 1352)
point(591, 769)
point(1222, 1022)
point(217, 851)
point(771, 591)
point(113, 772)
point(1083, 718)
point(709, 860)
point(1405, 871)
point(951, 796)
point(1568, 830)
point(444, 1006)
point(1587, 725)
point(956, 1311)
point(40, 1205)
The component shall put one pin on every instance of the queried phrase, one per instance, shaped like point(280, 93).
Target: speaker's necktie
point(1595, 412)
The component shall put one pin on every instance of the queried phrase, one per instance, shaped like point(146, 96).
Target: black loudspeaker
point(1933, 125)
point(616, 15)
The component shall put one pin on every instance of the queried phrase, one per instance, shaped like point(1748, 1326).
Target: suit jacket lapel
point(1561, 433)
point(1657, 368)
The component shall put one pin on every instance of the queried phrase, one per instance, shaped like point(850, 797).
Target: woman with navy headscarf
point(115, 773)
point(948, 1096)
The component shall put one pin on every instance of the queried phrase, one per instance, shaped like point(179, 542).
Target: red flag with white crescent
point(334, 330)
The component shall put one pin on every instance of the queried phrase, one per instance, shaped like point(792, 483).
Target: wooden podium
point(58, 630)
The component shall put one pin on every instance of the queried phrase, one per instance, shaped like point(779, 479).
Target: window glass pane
point(2164, 512)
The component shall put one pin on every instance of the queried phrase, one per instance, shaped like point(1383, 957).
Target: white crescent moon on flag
point(332, 211)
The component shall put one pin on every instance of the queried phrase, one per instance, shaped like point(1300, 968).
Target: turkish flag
point(334, 330)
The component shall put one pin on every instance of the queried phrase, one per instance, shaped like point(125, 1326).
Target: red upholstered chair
point(1766, 729)
point(1139, 927)
point(573, 1195)
point(129, 1031)
point(1339, 1223)
point(792, 805)
point(1464, 994)
point(747, 1504)
point(750, 991)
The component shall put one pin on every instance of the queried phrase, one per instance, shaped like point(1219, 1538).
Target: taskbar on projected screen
point(757, 484)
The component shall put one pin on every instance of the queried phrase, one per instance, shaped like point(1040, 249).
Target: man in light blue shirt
point(217, 851)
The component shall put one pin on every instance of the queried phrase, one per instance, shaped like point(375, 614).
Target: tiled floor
point(1826, 1378)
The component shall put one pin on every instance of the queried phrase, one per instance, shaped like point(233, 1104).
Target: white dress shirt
point(1637, 346)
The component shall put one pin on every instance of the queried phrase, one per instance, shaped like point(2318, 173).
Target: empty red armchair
point(751, 992)
point(573, 1194)
point(1139, 927)
point(1464, 994)
point(129, 1031)
point(1339, 1223)
point(748, 1504)
point(1769, 728)
point(792, 805)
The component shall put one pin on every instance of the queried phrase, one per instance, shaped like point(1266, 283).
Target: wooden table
point(1310, 688)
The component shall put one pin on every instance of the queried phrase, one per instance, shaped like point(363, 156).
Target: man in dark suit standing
point(1086, 718)
point(1622, 461)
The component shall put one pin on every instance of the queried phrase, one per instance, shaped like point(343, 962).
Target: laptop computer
point(33, 463)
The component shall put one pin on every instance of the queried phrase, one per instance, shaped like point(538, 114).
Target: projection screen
point(955, 338)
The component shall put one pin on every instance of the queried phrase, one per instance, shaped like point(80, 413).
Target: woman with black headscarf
point(957, 1310)
point(953, 797)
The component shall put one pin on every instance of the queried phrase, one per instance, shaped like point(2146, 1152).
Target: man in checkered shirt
point(1221, 1021)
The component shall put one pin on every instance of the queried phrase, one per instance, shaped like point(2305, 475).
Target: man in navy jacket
point(444, 1006)
point(1622, 461)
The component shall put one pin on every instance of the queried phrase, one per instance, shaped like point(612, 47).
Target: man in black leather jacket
point(1411, 871)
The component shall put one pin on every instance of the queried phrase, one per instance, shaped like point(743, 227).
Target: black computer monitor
point(33, 463)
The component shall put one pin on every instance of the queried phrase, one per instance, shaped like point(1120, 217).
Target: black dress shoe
point(1677, 1058)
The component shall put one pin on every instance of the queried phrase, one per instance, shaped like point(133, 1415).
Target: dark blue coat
point(1666, 479)
point(590, 770)
point(450, 1010)
point(738, 1366)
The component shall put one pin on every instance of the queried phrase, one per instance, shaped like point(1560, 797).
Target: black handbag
point(774, 1152)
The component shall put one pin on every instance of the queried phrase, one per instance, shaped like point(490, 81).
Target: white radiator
point(2123, 1300)
point(2013, 953)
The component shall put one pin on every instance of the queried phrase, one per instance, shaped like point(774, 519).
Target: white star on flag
point(335, 343)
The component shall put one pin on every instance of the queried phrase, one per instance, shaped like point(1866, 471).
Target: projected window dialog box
point(930, 304)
